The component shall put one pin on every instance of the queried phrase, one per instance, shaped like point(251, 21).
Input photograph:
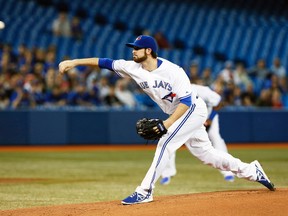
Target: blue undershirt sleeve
point(212, 115)
point(187, 101)
point(106, 63)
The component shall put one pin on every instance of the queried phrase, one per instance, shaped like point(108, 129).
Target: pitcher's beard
point(139, 60)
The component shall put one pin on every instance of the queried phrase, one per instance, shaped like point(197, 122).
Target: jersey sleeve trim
point(186, 100)
point(187, 96)
point(106, 63)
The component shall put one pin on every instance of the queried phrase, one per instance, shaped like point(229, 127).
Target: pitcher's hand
point(66, 65)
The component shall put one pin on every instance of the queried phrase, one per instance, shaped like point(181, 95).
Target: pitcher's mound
point(227, 203)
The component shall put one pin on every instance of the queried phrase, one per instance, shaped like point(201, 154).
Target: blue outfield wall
point(60, 127)
point(254, 126)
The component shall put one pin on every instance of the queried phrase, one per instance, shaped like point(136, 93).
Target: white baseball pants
point(189, 129)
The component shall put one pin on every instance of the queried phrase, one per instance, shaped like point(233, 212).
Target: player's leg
point(177, 134)
point(169, 171)
point(201, 147)
point(214, 135)
point(219, 144)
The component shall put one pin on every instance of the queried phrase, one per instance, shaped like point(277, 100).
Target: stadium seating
point(233, 30)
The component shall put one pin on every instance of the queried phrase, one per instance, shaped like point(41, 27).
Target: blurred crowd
point(29, 78)
point(258, 86)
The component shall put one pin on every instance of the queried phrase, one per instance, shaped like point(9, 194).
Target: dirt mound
point(238, 203)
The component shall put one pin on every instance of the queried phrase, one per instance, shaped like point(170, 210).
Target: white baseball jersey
point(166, 85)
point(210, 97)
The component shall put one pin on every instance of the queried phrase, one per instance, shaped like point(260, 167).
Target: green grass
point(80, 177)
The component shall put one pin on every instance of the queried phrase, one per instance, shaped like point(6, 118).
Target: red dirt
point(226, 203)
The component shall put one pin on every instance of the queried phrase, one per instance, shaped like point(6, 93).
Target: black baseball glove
point(150, 129)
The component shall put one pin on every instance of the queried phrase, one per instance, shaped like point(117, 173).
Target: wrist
point(75, 62)
point(167, 123)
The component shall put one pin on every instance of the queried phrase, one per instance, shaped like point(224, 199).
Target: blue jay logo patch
point(169, 97)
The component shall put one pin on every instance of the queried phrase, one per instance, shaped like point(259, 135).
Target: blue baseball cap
point(144, 41)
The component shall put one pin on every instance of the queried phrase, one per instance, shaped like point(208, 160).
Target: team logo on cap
point(138, 38)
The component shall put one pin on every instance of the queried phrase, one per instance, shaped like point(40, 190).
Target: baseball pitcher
point(169, 86)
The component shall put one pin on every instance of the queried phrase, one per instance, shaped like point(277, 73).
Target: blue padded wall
point(14, 128)
point(118, 127)
point(48, 128)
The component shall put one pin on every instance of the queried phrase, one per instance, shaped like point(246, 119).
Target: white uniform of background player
point(168, 85)
point(212, 100)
